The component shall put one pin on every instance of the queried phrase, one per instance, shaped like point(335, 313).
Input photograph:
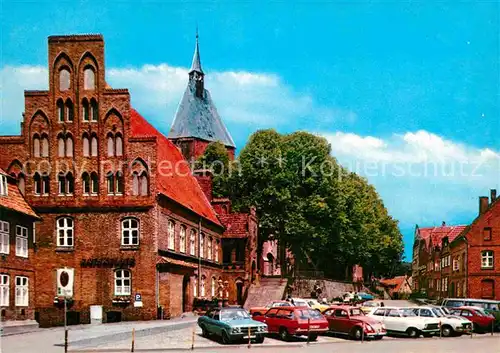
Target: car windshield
point(313, 302)
point(228, 315)
point(300, 303)
point(445, 310)
point(308, 314)
point(437, 312)
point(356, 312)
point(370, 304)
point(454, 303)
point(408, 312)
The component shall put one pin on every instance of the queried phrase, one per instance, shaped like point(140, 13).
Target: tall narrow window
point(202, 286)
point(94, 187)
point(487, 233)
point(70, 184)
point(195, 287)
point(216, 251)
point(4, 237)
point(60, 110)
point(122, 282)
point(45, 185)
point(110, 181)
point(85, 109)
point(111, 145)
point(119, 145)
point(94, 110)
point(4, 290)
point(69, 146)
point(36, 146)
point(202, 246)
point(60, 146)
point(61, 180)
point(119, 183)
point(21, 241)
point(212, 287)
point(69, 110)
point(192, 242)
point(209, 248)
point(64, 80)
point(171, 235)
point(182, 239)
point(94, 146)
point(65, 232)
point(143, 182)
point(45, 146)
point(86, 145)
point(130, 232)
point(135, 184)
point(88, 79)
point(37, 184)
point(86, 183)
point(22, 291)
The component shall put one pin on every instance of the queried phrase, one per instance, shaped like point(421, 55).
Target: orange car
point(262, 310)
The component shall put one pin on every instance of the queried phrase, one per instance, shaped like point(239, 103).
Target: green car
point(231, 325)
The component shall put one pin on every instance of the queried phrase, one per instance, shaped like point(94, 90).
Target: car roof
point(343, 307)
point(473, 300)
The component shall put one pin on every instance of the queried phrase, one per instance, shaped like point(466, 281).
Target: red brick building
point(122, 213)
point(460, 261)
point(17, 244)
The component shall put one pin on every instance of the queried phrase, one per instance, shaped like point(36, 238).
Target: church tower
point(197, 122)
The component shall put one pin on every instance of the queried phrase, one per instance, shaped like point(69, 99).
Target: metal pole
point(65, 327)
point(199, 259)
point(133, 340)
point(308, 329)
point(249, 338)
point(192, 338)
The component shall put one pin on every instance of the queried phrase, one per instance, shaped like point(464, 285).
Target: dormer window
point(4, 190)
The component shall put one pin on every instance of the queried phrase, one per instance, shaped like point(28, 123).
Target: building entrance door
point(185, 294)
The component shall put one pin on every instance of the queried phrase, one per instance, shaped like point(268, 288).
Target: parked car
point(262, 310)
point(300, 302)
point(450, 325)
point(351, 321)
point(294, 321)
point(481, 321)
point(397, 321)
point(231, 324)
point(490, 306)
point(364, 296)
point(313, 303)
point(465, 322)
point(370, 306)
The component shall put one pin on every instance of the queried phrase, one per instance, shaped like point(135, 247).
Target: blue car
point(231, 325)
point(364, 296)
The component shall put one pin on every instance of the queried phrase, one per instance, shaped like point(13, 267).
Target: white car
point(300, 302)
point(399, 321)
point(450, 325)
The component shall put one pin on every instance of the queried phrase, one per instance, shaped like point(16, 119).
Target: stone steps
point(268, 289)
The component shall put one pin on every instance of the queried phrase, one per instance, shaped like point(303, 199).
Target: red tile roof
point(395, 283)
point(15, 200)
point(434, 235)
point(179, 184)
point(236, 225)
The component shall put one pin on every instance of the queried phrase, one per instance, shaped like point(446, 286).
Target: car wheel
point(412, 332)
point(357, 333)
point(284, 335)
point(313, 337)
point(225, 338)
point(259, 339)
point(446, 331)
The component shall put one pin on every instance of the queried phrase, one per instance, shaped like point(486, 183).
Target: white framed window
point(212, 287)
point(487, 259)
point(22, 291)
point(192, 242)
point(4, 237)
point(4, 290)
point(171, 235)
point(195, 287)
point(182, 239)
point(94, 184)
point(130, 231)
point(86, 146)
point(21, 241)
point(216, 251)
point(65, 232)
point(94, 146)
point(202, 286)
point(122, 282)
point(209, 248)
point(4, 188)
point(202, 246)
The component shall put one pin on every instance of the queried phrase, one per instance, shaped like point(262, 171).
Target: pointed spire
point(196, 64)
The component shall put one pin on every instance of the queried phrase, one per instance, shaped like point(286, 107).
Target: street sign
point(138, 300)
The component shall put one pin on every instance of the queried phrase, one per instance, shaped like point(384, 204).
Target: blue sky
point(388, 83)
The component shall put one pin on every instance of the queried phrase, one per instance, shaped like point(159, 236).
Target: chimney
point(493, 195)
point(483, 204)
point(443, 224)
point(204, 178)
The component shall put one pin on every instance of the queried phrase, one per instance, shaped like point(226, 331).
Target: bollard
point(192, 338)
point(308, 329)
point(249, 338)
point(65, 341)
point(132, 349)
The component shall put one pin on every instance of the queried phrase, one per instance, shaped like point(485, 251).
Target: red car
point(481, 321)
point(351, 321)
point(294, 321)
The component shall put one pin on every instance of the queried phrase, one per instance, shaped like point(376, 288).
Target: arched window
point(66, 184)
point(119, 183)
point(64, 80)
point(94, 146)
point(70, 187)
point(60, 110)
point(212, 286)
point(202, 246)
point(202, 286)
point(111, 145)
point(135, 184)
point(65, 231)
point(94, 110)
point(37, 181)
point(94, 187)
point(88, 78)
point(195, 286)
point(60, 146)
point(192, 242)
point(86, 109)
point(216, 251)
point(143, 182)
point(110, 181)
point(123, 282)
point(209, 248)
point(130, 231)
point(21, 183)
point(36, 146)
point(45, 146)
point(69, 110)
point(86, 145)
point(118, 145)
point(182, 239)
point(86, 183)
point(171, 235)
point(69, 146)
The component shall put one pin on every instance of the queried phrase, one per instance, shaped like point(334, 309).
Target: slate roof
point(196, 64)
point(15, 200)
point(434, 235)
point(180, 185)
